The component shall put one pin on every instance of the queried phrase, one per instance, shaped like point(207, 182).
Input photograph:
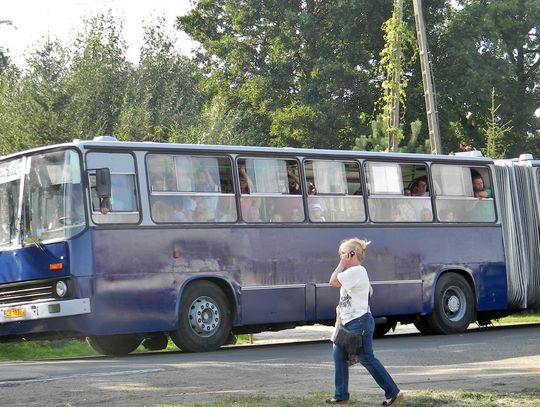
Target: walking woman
point(353, 310)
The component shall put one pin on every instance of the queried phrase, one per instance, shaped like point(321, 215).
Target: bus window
point(398, 192)
point(270, 190)
point(455, 195)
point(334, 191)
point(185, 188)
point(122, 205)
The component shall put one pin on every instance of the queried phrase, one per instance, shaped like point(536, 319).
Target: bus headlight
point(61, 289)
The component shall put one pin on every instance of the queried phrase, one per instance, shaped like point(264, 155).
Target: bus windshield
point(52, 204)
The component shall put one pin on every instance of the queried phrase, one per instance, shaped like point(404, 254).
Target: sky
point(33, 21)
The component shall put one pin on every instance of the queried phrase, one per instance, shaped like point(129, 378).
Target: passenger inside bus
point(419, 187)
point(204, 181)
point(104, 205)
point(479, 189)
point(162, 211)
point(201, 213)
point(294, 181)
point(244, 179)
point(316, 213)
point(158, 183)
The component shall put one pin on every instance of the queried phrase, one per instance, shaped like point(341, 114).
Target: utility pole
point(429, 94)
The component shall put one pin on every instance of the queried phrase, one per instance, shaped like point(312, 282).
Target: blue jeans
point(364, 324)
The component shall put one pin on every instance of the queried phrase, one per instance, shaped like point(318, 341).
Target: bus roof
point(111, 143)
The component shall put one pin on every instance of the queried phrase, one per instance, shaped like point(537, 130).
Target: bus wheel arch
point(205, 316)
point(454, 303)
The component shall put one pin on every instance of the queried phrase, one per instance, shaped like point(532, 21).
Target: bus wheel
point(423, 326)
point(114, 345)
point(384, 328)
point(454, 306)
point(204, 319)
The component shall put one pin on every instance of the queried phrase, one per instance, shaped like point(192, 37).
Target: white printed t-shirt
point(353, 294)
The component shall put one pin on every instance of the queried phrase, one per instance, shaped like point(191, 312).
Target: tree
point(98, 78)
point(299, 70)
point(35, 101)
point(378, 140)
point(162, 100)
point(492, 44)
point(4, 58)
point(10, 140)
point(494, 131)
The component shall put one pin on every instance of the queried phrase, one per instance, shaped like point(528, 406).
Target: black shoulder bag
point(349, 341)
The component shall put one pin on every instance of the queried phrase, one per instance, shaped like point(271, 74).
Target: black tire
point(114, 345)
point(384, 328)
point(454, 307)
point(423, 326)
point(205, 320)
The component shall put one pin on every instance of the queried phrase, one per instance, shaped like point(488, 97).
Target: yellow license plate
point(15, 312)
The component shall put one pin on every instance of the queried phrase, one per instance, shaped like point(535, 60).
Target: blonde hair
point(359, 246)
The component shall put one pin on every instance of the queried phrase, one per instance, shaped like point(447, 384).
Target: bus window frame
point(346, 196)
point(241, 206)
point(421, 200)
point(190, 194)
point(113, 217)
point(468, 200)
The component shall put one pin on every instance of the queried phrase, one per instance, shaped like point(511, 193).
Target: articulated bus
point(129, 243)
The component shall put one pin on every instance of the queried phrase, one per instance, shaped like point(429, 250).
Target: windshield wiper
point(39, 245)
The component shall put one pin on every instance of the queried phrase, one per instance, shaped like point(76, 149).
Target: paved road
point(501, 358)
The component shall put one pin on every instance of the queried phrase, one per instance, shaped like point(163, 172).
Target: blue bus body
point(271, 279)
point(127, 281)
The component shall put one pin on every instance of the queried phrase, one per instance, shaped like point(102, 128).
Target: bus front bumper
point(43, 310)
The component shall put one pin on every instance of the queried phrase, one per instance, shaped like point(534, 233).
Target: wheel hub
point(204, 316)
point(453, 304)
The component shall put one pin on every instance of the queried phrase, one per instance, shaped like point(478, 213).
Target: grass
point(65, 348)
point(457, 398)
point(521, 318)
point(39, 350)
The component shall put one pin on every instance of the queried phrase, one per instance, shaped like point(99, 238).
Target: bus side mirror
point(103, 183)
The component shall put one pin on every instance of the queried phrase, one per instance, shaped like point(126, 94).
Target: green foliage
point(397, 55)
point(495, 131)
point(162, 98)
point(299, 70)
point(283, 73)
point(378, 140)
point(89, 88)
point(492, 44)
point(33, 106)
point(4, 57)
point(98, 78)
